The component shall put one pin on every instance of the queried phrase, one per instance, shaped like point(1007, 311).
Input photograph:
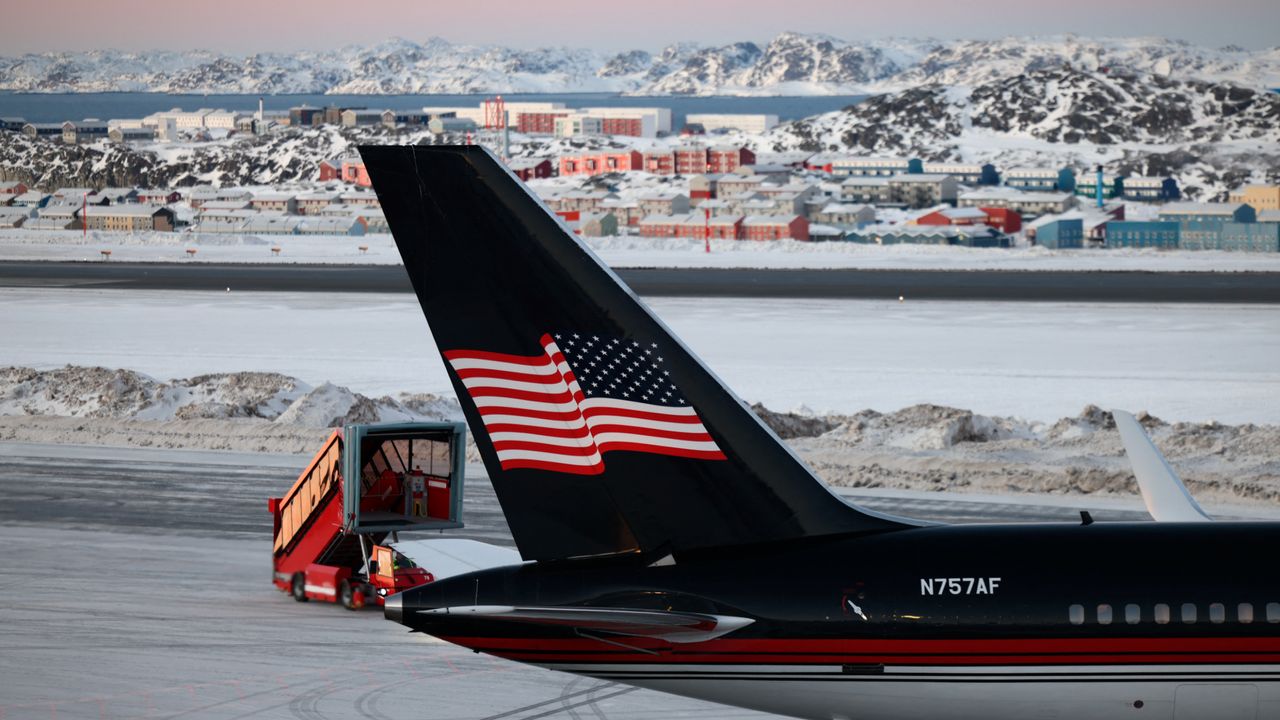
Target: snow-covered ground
point(1041, 361)
point(622, 252)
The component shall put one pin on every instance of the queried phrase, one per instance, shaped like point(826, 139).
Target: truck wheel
point(347, 595)
point(299, 587)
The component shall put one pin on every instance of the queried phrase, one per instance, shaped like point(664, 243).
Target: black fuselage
point(1027, 582)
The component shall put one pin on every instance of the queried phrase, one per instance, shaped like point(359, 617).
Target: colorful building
point(1260, 197)
point(775, 227)
point(530, 168)
point(1150, 189)
point(1142, 234)
point(1057, 233)
point(969, 174)
point(1040, 179)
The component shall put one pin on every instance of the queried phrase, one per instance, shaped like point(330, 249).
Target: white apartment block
point(746, 122)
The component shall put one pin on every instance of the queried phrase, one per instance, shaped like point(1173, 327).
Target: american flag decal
point(563, 409)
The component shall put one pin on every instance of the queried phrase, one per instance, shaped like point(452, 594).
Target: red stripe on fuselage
point(1049, 651)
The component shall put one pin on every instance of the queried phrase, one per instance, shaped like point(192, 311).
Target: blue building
point(1040, 179)
point(984, 174)
point(1201, 224)
point(1087, 186)
point(1151, 189)
point(876, 166)
point(1142, 234)
point(1250, 237)
point(1057, 233)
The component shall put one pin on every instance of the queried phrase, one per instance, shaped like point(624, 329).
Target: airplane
point(671, 541)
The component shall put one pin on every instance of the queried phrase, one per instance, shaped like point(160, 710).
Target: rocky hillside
point(789, 64)
point(1212, 133)
point(290, 156)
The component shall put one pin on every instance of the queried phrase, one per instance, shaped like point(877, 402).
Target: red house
point(539, 123)
point(659, 162)
point(600, 163)
point(353, 171)
point(158, 197)
point(728, 159)
point(330, 170)
point(1004, 219)
point(10, 190)
point(775, 227)
point(528, 169)
point(954, 217)
point(691, 160)
point(726, 227)
point(661, 226)
point(632, 126)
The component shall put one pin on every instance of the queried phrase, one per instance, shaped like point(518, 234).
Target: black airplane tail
point(601, 432)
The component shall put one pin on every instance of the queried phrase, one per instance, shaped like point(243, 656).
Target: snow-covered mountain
point(789, 64)
point(1213, 135)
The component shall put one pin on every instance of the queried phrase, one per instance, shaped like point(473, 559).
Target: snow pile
point(96, 392)
point(928, 447)
point(922, 447)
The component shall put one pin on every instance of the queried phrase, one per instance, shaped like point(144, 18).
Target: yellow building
point(1261, 197)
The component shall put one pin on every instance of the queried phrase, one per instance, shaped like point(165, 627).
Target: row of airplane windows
point(1162, 614)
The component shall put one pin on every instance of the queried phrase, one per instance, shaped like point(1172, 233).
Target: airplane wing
point(1164, 493)
point(674, 627)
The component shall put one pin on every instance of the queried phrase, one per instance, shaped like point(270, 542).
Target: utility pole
point(707, 233)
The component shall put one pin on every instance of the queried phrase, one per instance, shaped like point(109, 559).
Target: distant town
point(699, 181)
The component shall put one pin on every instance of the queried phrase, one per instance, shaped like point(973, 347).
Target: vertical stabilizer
point(602, 433)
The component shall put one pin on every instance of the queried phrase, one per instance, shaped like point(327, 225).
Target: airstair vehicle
point(367, 483)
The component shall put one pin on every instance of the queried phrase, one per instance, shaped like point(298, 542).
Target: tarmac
point(1180, 287)
point(136, 583)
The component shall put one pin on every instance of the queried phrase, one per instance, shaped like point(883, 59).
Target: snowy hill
point(789, 64)
point(981, 61)
point(1213, 135)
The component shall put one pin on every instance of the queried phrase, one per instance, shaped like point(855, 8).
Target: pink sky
point(241, 26)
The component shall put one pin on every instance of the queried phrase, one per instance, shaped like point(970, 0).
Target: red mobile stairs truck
point(368, 483)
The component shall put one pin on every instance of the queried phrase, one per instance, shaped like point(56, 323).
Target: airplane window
point(1162, 614)
point(1273, 612)
point(1075, 614)
point(1244, 613)
point(1132, 614)
point(1104, 614)
point(1188, 612)
point(1217, 613)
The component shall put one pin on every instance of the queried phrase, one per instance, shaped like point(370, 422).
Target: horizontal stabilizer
point(447, 557)
point(674, 627)
point(1164, 493)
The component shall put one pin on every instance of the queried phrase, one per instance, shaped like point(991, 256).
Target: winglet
point(1165, 495)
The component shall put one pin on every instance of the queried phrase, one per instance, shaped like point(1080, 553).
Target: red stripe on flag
point(499, 357)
